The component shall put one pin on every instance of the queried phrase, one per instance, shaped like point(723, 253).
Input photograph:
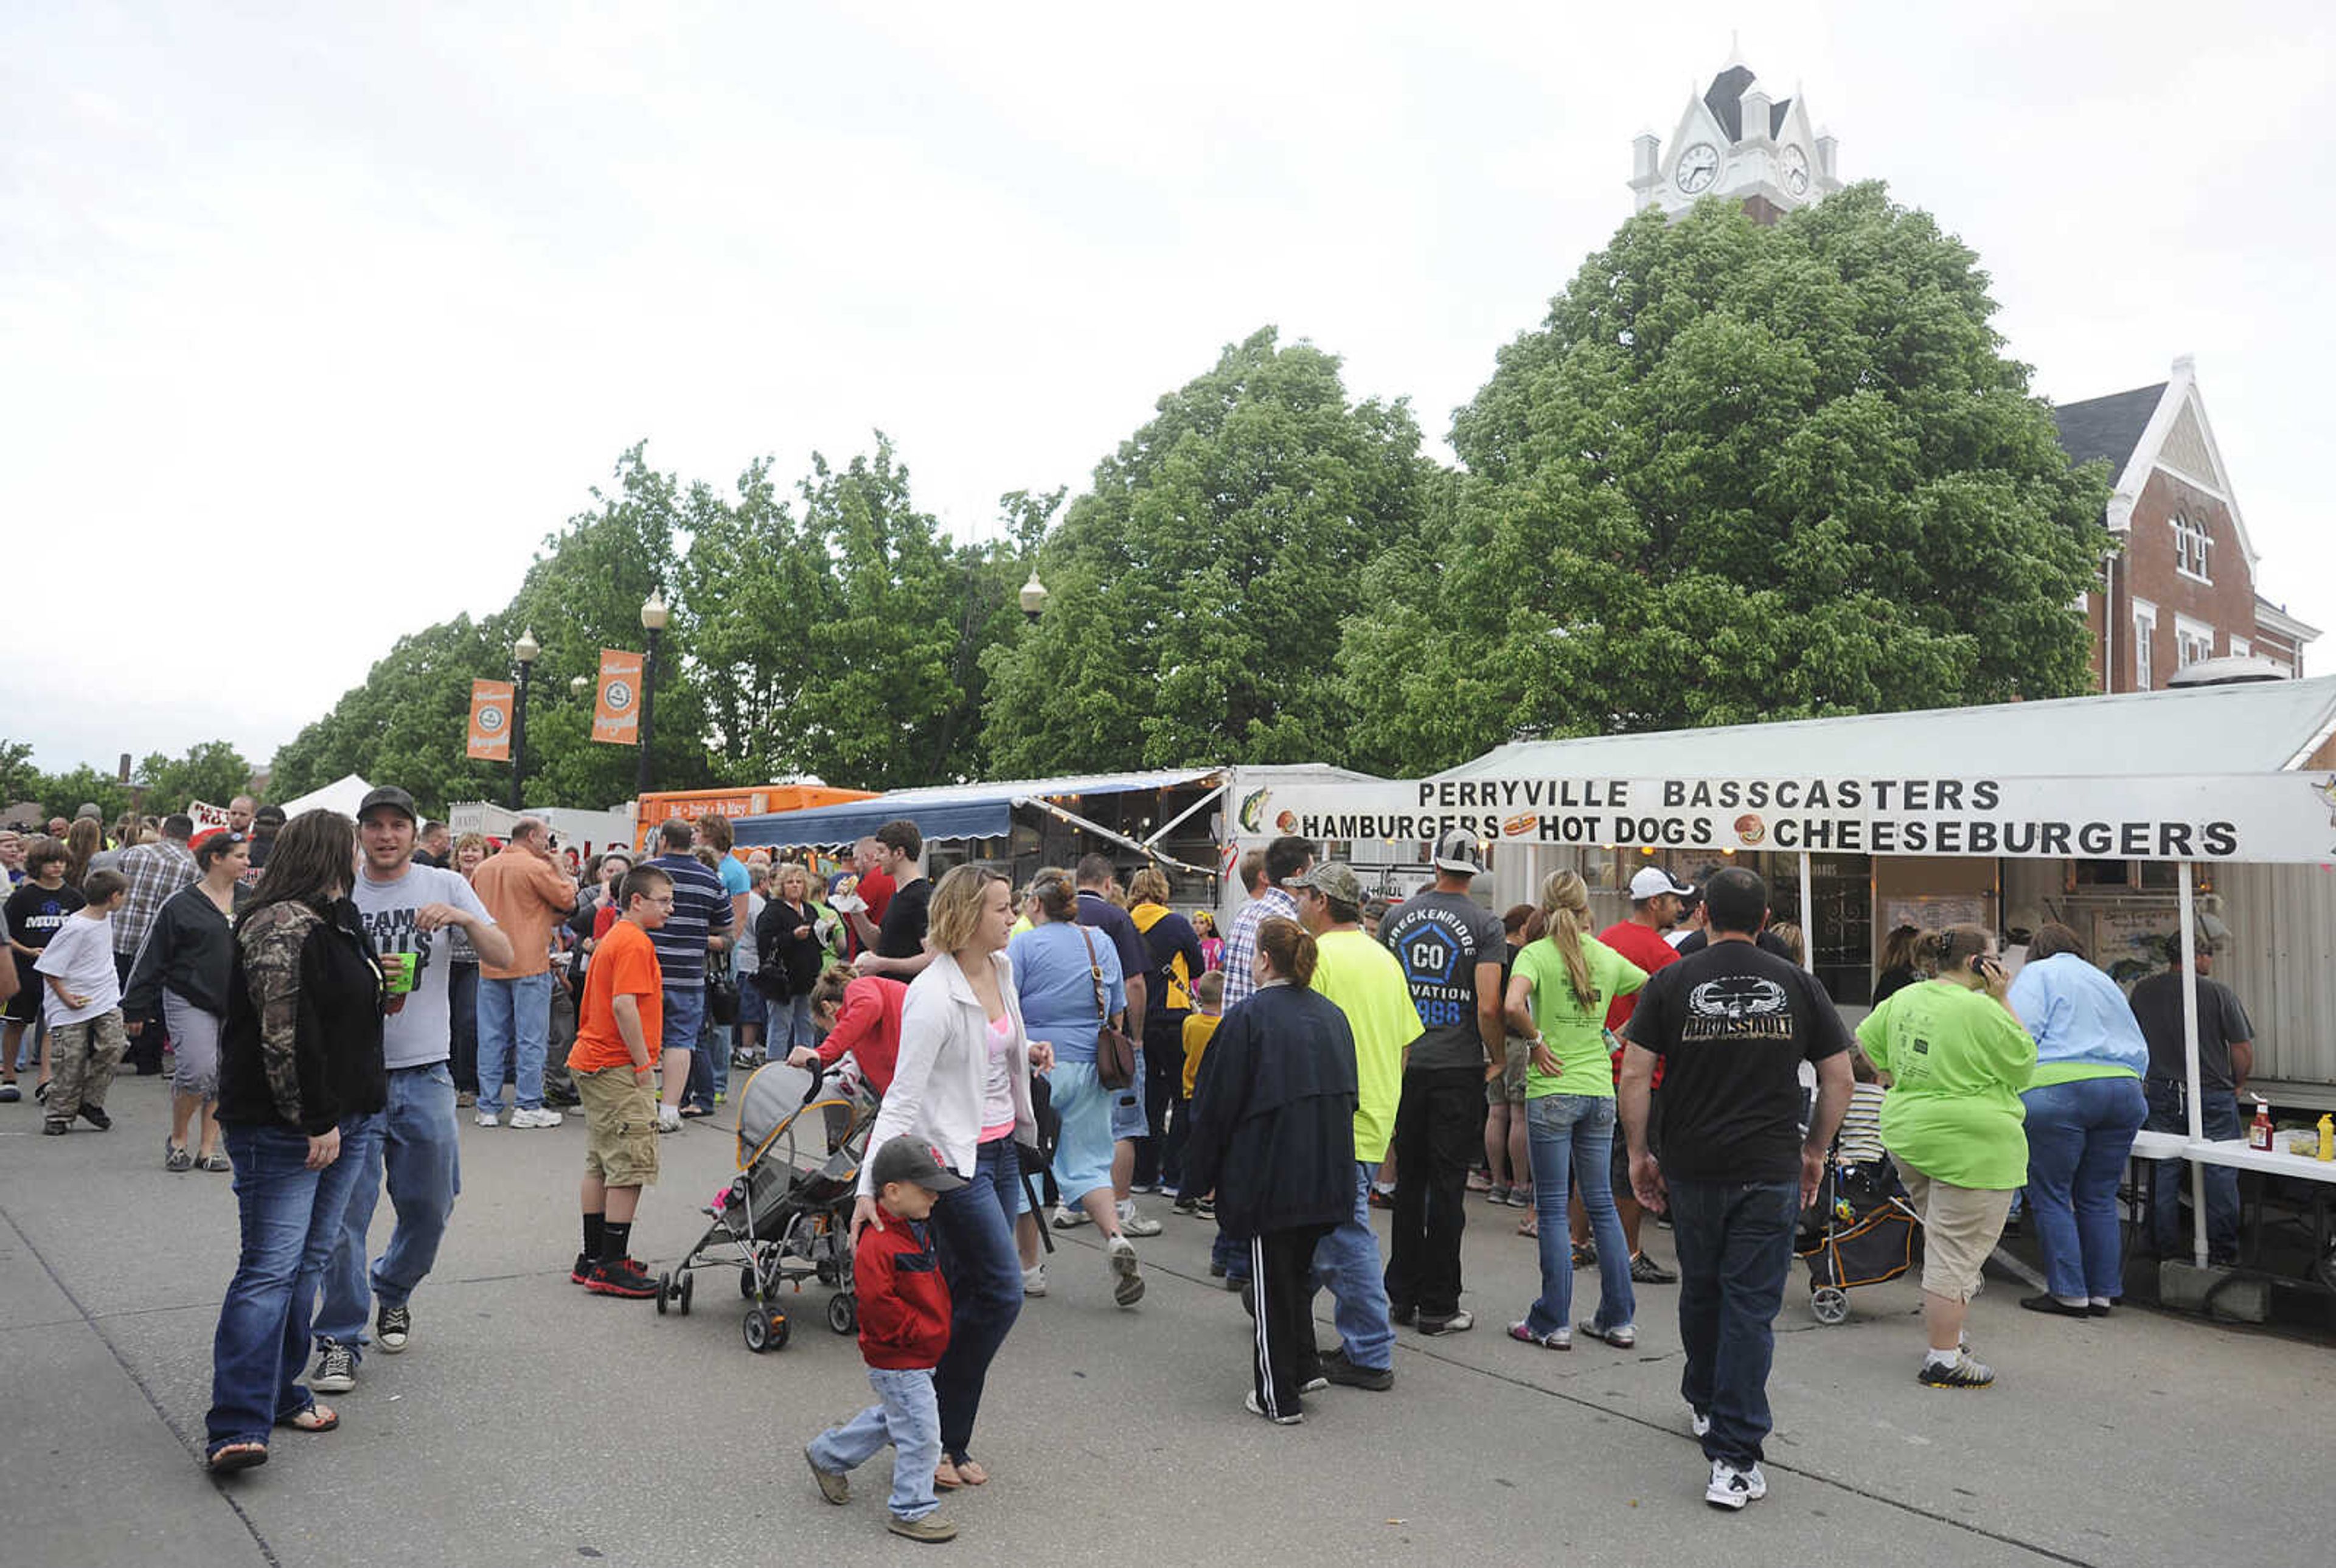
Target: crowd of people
point(334, 992)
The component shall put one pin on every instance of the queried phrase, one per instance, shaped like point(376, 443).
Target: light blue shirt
point(2079, 1017)
point(1052, 979)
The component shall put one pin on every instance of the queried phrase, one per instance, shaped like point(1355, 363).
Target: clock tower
point(1736, 142)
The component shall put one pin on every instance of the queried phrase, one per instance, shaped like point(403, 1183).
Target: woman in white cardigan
point(962, 1084)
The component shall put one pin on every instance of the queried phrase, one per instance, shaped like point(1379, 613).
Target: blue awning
point(972, 811)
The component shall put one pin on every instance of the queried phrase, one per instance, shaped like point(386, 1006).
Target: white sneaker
point(1732, 1488)
point(1249, 1404)
point(1067, 1218)
point(1699, 1423)
point(1034, 1280)
point(669, 1117)
point(487, 1118)
point(1133, 1222)
point(1127, 1285)
point(544, 1116)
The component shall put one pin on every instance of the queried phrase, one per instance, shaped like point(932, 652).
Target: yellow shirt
point(1366, 982)
point(1198, 1030)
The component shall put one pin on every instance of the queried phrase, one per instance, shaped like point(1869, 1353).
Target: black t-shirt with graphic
point(1441, 938)
point(1733, 1022)
point(34, 915)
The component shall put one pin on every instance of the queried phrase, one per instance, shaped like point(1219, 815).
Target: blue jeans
point(1574, 1135)
point(2218, 1116)
point(413, 1143)
point(684, 1022)
point(973, 1231)
point(1348, 1262)
point(791, 1025)
point(2078, 1137)
point(291, 1217)
point(1735, 1241)
point(908, 1418)
point(514, 1022)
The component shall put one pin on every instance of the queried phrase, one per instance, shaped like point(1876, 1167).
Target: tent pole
point(2190, 1068)
point(1808, 920)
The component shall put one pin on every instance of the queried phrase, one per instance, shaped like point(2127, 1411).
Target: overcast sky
point(314, 320)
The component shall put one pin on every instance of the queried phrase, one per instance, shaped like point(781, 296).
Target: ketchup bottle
point(2259, 1131)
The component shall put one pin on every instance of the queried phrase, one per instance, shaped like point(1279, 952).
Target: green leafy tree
point(19, 779)
point(64, 795)
point(1196, 590)
point(1738, 473)
point(213, 772)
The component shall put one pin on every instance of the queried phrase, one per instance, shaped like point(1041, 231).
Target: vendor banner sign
point(617, 711)
point(2253, 817)
point(491, 711)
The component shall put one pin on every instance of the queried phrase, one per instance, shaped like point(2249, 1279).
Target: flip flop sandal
point(234, 1457)
point(315, 1419)
point(971, 1472)
point(946, 1477)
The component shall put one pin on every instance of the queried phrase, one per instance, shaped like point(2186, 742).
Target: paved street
point(532, 1424)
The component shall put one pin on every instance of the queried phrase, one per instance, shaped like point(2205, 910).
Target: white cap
point(1653, 882)
point(1456, 851)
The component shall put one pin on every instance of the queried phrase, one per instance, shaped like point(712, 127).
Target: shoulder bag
point(1114, 1052)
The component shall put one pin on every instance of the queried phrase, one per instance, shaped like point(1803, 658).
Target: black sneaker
point(1645, 1270)
point(392, 1327)
point(54, 1128)
point(336, 1369)
point(1347, 1374)
point(1962, 1372)
point(97, 1118)
point(1184, 1205)
point(1402, 1316)
point(582, 1270)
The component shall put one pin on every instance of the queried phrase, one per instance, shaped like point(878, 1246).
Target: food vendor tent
point(342, 795)
point(2210, 774)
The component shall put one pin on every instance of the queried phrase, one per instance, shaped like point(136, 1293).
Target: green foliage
point(1740, 472)
point(1196, 592)
point(213, 772)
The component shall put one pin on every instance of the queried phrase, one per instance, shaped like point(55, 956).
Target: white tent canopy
point(341, 795)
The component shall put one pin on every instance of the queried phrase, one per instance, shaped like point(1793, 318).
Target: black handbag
point(721, 997)
point(1114, 1052)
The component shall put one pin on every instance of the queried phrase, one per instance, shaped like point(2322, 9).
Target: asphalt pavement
point(530, 1423)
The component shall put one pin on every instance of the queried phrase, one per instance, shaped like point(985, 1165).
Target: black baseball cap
point(392, 797)
point(907, 1159)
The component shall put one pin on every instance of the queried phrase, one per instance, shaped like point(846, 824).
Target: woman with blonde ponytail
point(1559, 990)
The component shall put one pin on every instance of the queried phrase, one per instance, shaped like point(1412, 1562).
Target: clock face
point(1796, 172)
point(1698, 166)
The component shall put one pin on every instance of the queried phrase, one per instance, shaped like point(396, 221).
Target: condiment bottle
point(2259, 1131)
point(2328, 1137)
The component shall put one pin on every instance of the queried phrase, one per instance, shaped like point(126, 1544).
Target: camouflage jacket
point(271, 941)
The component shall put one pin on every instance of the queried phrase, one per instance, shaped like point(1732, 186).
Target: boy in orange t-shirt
point(619, 1026)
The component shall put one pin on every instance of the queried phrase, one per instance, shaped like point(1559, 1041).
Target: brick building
point(2182, 588)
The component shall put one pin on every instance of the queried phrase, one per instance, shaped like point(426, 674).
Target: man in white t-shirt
point(83, 1007)
point(406, 908)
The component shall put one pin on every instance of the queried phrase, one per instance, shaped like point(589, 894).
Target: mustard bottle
point(2328, 1137)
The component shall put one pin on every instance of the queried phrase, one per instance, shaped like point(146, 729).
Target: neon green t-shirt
point(1366, 982)
point(1957, 1061)
point(1575, 1028)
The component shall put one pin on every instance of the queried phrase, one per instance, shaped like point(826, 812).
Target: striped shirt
point(155, 873)
point(701, 908)
point(1860, 1138)
point(1240, 948)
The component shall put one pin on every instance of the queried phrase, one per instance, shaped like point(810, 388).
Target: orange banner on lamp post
point(490, 720)
point(616, 716)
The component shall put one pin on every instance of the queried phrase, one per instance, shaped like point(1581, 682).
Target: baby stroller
point(788, 1214)
point(1860, 1231)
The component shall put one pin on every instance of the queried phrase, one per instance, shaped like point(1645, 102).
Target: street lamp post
point(654, 614)
point(527, 650)
point(1033, 597)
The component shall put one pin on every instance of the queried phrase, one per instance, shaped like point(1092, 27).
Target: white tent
point(341, 795)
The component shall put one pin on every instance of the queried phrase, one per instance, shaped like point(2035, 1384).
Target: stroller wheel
point(765, 1330)
point(688, 1287)
point(747, 1282)
point(842, 1313)
point(1829, 1305)
point(664, 1290)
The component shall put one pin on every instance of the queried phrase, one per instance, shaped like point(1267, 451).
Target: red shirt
point(868, 1025)
point(904, 1303)
point(1643, 946)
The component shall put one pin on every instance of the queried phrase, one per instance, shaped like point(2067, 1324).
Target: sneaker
point(464, 1099)
point(96, 1117)
point(1187, 1206)
point(579, 1271)
point(1249, 1404)
point(1233, 1283)
point(1555, 1339)
point(1585, 1254)
point(1067, 1219)
point(1142, 1189)
point(1401, 1317)
point(1347, 1374)
point(627, 1279)
point(1134, 1222)
point(1732, 1488)
point(1208, 1209)
point(1034, 1280)
point(719, 1096)
point(1645, 1270)
point(487, 1118)
point(1697, 1422)
point(336, 1369)
point(561, 1099)
point(1480, 1179)
point(669, 1118)
point(10, 1094)
point(927, 1529)
point(1962, 1372)
point(1623, 1337)
point(1458, 1323)
point(1380, 1199)
point(539, 1117)
point(1496, 1196)
point(1127, 1285)
point(54, 1126)
point(392, 1327)
point(835, 1488)
point(1314, 1385)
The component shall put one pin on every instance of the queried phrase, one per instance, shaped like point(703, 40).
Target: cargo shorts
point(620, 1138)
point(1509, 1088)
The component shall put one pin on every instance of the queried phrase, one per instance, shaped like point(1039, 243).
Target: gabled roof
point(2107, 427)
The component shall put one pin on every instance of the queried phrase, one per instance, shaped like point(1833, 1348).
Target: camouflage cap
point(1335, 880)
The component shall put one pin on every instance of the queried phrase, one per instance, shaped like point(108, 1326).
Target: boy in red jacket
point(904, 1327)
